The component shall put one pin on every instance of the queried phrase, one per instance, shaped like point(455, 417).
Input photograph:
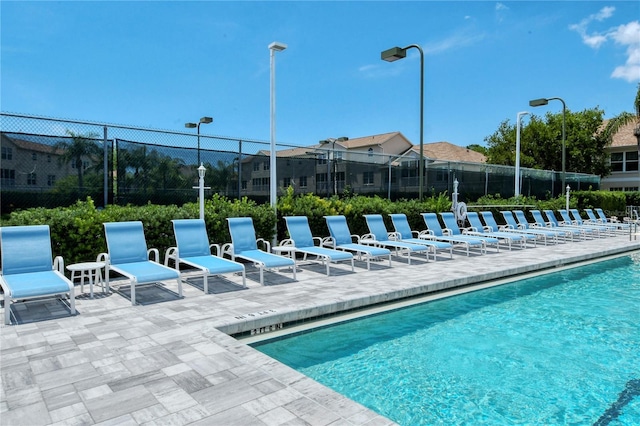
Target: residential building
point(624, 151)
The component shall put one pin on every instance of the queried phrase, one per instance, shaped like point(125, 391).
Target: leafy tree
point(478, 148)
point(541, 143)
point(79, 148)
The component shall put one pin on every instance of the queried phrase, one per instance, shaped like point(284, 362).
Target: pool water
point(562, 348)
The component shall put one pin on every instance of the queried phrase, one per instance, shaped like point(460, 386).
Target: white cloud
point(501, 6)
point(453, 42)
point(624, 35)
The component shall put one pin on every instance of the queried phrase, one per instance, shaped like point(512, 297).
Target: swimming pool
point(555, 349)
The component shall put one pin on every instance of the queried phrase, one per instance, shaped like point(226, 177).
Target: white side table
point(288, 251)
point(89, 270)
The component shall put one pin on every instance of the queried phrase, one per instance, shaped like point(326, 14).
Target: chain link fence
point(48, 162)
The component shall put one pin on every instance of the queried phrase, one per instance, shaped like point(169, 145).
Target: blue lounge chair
point(379, 234)
point(435, 231)
point(342, 239)
point(539, 223)
point(567, 223)
point(451, 227)
point(477, 228)
point(244, 245)
point(602, 228)
point(404, 233)
point(301, 238)
point(193, 249)
point(542, 234)
point(27, 270)
point(602, 219)
point(127, 255)
point(492, 226)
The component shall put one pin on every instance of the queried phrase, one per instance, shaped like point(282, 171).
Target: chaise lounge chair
point(551, 218)
point(602, 219)
point(404, 233)
point(128, 255)
point(577, 219)
point(301, 238)
point(27, 270)
point(193, 249)
point(485, 230)
point(435, 231)
point(540, 233)
point(245, 246)
point(342, 239)
point(492, 226)
point(379, 234)
point(539, 223)
point(451, 227)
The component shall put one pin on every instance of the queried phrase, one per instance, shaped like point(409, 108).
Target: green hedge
point(77, 232)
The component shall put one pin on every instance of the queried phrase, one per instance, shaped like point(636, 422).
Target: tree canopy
point(541, 143)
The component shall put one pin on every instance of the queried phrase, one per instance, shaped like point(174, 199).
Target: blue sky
point(161, 64)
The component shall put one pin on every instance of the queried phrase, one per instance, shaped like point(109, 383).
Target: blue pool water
point(562, 348)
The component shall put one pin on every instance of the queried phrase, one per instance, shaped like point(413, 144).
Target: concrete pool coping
point(174, 362)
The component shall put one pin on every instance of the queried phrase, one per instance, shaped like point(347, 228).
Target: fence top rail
point(493, 206)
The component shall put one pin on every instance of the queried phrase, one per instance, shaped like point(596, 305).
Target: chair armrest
point(366, 238)
point(505, 228)
point(355, 237)
point(318, 240)
point(416, 234)
point(153, 254)
point(227, 248)
point(287, 243)
point(266, 243)
point(171, 253)
point(58, 264)
point(329, 242)
point(487, 229)
point(446, 231)
point(395, 236)
point(216, 247)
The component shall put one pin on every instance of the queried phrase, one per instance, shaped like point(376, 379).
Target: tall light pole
point(545, 101)
point(273, 183)
point(333, 141)
point(203, 120)
point(517, 184)
point(392, 55)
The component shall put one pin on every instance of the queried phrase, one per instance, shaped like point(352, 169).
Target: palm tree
point(80, 147)
point(624, 118)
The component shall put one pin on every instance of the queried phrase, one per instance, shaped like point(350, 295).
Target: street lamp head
point(206, 120)
point(201, 171)
point(190, 125)
point(538, 102)
point(277, 46)
point(393, 54)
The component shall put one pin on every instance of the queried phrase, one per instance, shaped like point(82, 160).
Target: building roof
point(34, 146)
point(625, 136)
point(371, 140)
point(447, 151)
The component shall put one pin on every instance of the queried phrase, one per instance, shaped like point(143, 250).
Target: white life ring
point(461, 211)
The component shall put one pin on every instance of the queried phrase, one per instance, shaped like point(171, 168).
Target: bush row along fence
point(50, 162)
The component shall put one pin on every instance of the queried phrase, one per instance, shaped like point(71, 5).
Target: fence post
point(105, 167)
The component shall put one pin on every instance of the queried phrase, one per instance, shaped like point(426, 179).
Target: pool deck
point(173, 362)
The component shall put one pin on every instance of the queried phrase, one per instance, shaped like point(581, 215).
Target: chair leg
point(72, 300)
point(7, 309)
point(133, 292)
point(244, 277)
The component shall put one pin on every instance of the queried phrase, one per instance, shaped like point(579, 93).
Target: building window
point(370, 152)
point(7, 153)
point(321, 177)
point(244, 184)
point(51, 180)
point(322, 159)
point(265, 165)
point(303, 181)
point(48, 158)
point(286, 182)
point(617, 161)
point(34, 156)
point(31, 179)
point(631, 161)
point(256, 166)
point(8, 177)
point(442, 176)
point(367, 178)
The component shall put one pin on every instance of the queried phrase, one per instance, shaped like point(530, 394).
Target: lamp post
point(333, 141)
point(392, 55)
point(201, 172)
point(545, 101)
point(203, 120)
point(517, 179)
point(273, 183)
